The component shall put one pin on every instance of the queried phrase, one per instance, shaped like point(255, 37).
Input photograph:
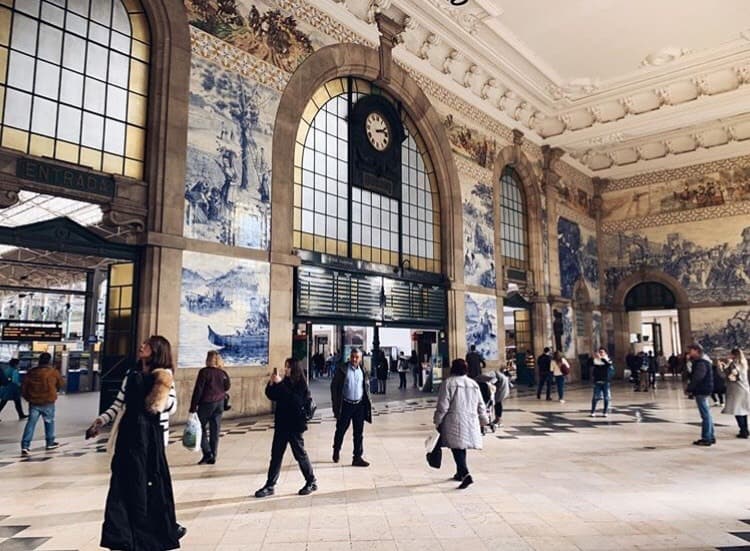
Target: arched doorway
point(411, 260)
point(652, 315)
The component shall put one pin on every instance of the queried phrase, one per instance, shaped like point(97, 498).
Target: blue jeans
point(601, 392)
point(560, 382)
point(47, 412)
point(707, 423)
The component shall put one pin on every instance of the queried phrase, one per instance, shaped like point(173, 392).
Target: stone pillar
point(456, 324)
point(159, 294)
point(622, 337)
point(281, 307)
point(94, 281)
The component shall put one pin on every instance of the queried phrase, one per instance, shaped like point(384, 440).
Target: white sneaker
point(592, 415)
point(562, 401)
point(26, 452)
point(606, 415)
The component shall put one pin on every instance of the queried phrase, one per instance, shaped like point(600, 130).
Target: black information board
point(32, 333)
point(329, 294)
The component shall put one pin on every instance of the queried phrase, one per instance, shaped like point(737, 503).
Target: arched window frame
point(514, 223)
point(410, 231)
point(113, 92)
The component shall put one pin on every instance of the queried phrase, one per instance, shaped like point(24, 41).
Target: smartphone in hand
point(275, 371)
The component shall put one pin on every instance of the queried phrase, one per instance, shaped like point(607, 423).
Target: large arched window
point(514, 236)
point(74, 81)
point(333, 217)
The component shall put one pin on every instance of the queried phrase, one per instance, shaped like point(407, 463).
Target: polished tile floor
point(552, 478)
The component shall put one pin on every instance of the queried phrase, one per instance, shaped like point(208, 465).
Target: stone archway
point(513, 156)
point(620, 315)
point(341, 60)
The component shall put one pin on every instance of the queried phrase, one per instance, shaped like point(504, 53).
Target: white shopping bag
point(431, 441)
point(191, 438)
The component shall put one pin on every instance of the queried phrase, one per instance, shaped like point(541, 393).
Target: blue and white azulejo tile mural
point(479, 234)
point(228, 176)
point(223, 306)
point(481, 324)
point(578, 258)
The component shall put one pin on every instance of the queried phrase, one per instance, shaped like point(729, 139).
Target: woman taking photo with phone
point(290, 393)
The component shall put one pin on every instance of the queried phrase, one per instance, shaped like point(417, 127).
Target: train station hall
point(374, 275)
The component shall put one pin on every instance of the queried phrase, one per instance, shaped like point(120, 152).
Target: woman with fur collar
point(140, 512)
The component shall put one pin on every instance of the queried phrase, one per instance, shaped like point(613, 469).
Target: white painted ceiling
point(606, 39)
point(622, 87)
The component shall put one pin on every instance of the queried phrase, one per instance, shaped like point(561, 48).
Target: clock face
point(378, 131)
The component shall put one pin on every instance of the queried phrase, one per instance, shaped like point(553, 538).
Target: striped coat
point(170, 408)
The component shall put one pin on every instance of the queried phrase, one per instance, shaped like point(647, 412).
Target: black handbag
point(309, 408)
point(227, 402)
point(435, 457)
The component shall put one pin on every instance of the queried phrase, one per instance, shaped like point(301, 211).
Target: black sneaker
point(702, 442)
point(52, 446)
point(336, 456)
point(265, 491)
point(742, 435)
point(181, 531)
point(308, 488)
point(359, 462)
point(466, 482)
point(204, 460)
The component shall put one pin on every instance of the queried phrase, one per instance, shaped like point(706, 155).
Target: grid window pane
point(513, 224)
point(372, 231)
point(69, 78)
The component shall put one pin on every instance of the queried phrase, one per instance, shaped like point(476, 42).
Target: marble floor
point(553, 478)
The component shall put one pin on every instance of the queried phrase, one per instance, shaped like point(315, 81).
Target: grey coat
point(460, 414)
point(738, 391)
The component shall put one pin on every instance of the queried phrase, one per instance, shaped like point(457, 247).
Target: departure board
point(32, 333)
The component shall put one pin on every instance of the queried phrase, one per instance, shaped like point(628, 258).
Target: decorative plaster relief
point(469, 142)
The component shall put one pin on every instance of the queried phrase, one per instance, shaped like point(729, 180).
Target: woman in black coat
point(140, 511)
point(290, 394)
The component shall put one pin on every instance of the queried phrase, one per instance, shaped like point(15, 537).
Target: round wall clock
point(378, 131)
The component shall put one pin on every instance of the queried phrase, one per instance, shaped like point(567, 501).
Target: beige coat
point(738, 390)
point(460, 414)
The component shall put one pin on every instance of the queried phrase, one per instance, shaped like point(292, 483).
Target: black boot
point(308, 488)
point(265, 491)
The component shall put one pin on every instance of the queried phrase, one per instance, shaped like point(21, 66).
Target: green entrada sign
point(64, 177)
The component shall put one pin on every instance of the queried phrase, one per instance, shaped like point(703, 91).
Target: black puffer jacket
point(290, 404)
point(701, 377)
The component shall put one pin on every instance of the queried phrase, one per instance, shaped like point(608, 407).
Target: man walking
point(40, 387)
point(543, 363)
point(10, 387)
point(475, 361)
point(350, 398)
point(701, 386)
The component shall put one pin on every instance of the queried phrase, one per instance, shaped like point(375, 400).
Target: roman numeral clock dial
point(378, 131)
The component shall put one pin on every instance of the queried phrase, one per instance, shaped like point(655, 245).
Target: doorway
point(67, 289)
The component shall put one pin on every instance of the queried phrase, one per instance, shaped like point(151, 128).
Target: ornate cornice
point(676, 173)
point(470, 168)
point(677, 217)
point(233, 59)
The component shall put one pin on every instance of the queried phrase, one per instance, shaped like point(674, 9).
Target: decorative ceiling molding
point(470, 168)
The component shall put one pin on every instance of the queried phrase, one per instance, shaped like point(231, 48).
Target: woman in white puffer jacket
point(459, 418)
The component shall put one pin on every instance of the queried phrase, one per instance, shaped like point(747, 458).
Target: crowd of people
point(140, 509)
